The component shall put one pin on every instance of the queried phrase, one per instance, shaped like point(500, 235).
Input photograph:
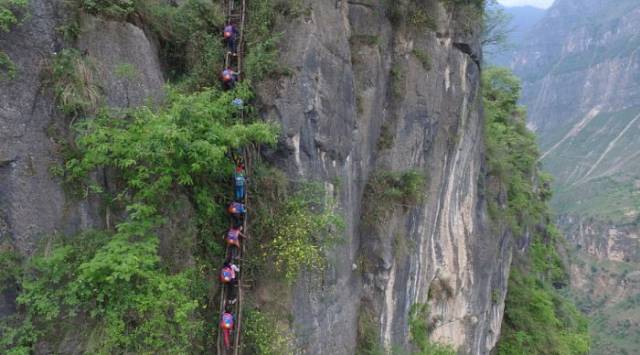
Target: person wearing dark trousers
point(230, 35)
point(229, 78)
point(237, 210)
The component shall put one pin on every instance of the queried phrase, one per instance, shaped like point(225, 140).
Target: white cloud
point(543, 4)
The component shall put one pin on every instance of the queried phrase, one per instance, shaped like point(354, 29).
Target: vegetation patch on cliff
point(11, 13)
point(116, 279)
point(72, 77)
point(419, 330)
point(387, 191)
point(296, 230)
point(538, 319)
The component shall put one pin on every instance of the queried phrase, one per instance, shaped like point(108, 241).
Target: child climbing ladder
point(230, 316)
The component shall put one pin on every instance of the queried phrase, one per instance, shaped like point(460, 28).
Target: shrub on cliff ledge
point(10, 11)
point(419, 330)
point(116, 282)
point(386, 191)
point(109, 8)
point(72, 76)
point(301, 228)
point(537, 319)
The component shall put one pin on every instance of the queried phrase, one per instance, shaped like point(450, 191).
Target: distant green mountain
point(580, 66)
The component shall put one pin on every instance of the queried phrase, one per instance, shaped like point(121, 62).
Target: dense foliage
point(512, 152)
point(113, 282)
point(537, 320)
point(9, 10)
point(304, 224)
point(263, 336)
point(116, 280)
point(10, 14)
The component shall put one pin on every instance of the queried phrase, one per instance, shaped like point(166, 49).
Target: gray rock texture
point(33, 204)
point(359, 101)
point(356, 105)
point(128, 65)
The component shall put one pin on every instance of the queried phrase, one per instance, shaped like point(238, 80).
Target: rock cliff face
point(33, 204)
point(581, 68)
point(606, 281)
point(353, 107)
point(359, 100)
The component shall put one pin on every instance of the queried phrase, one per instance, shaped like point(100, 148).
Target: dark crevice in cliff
point(468, 50)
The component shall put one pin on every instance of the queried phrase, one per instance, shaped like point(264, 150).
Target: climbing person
point(228, 272)
point(239, 180)
point(226, 324)
point(233, 235)
point(229, 278)
point(236, 156)
point(237, 210)
point(230, 35)
point(229, 78)
point(232, 239)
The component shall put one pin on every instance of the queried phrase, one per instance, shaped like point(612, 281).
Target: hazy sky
point(537, 3)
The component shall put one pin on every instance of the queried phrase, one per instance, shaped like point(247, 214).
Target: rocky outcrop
point(366, 95)
point(604, 241)
point(128, 65)
point(33, 203)
point(360, 101)
point(605, 280)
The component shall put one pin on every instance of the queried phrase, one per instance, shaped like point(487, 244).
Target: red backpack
point(226, 75)
point(227, 275)
point(227, 321)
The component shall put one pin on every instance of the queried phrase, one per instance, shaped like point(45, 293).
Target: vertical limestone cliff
point(369, 92)
point(360, 101)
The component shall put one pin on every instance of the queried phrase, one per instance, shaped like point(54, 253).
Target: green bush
point(304, 224)
point(10, 267)
point(189, 37)
point(512, 152)
point(262, 335)
point(117, 280)
point(537, 319)
point(10, 11)
point(419, 332)
point(386, 191)
point(367, 40)
point(113, 280)
point(71, 76)
point(420, 19)
point(368, 340)
point(398, 82)
point(117, 9)
point(262, 58)
point(7, 67)
point(423, 57)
